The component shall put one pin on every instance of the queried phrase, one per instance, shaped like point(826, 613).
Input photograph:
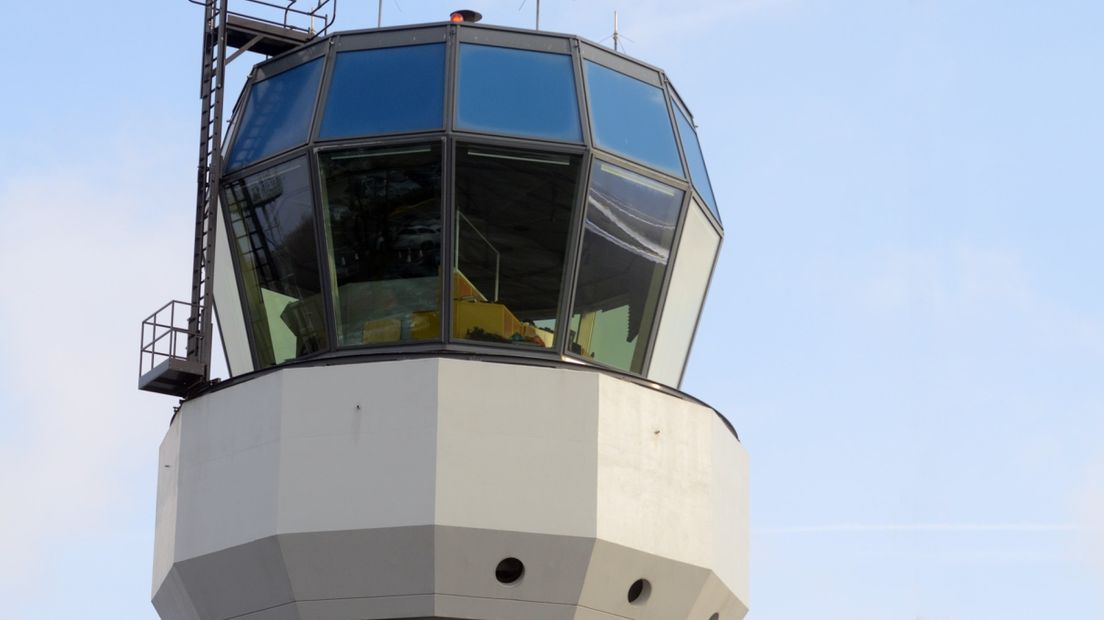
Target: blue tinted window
point(386, 90)
point(697, 163)
point(518, 92)
point(278, 114)
point(630, 117)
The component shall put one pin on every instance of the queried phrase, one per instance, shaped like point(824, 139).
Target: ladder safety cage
point(267, 27)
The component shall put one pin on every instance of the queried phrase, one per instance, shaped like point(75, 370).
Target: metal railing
point(165, 335)
point(314, 21)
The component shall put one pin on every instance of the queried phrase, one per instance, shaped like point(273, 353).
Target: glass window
point(627, 236)
point(278, 114)
point(383, 221)
point(513, 213)
point(690, 279)
point(630, 117)
point(517, 92)
point(694, 158)
point(386, 90)
point(272, 228)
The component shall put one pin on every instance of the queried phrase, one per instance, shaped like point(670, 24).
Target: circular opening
point(509, 570)
point(639, 591)
point(715, 617)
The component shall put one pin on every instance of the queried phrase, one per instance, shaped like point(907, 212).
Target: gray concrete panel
point(555, 566)
point(237, 581)
point(674, 586)
point(360, 563)
point(172, 598)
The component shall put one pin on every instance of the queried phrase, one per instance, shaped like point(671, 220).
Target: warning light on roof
point(465, 16)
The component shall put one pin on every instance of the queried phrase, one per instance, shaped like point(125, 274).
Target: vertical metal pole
point(616, 34)
point(379, 15)
point(538, 14)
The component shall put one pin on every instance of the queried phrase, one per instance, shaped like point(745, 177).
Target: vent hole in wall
point(639, 591)
point(509, 571)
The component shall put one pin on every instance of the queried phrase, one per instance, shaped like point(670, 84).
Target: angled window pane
point(689, 281)
point(278, 114)
point(272, 232)
point(517, 92)
point(694, 158)
point(383, 221)
point(630, 118)
point(513, 215)
point(386, 90)
point(627, 236)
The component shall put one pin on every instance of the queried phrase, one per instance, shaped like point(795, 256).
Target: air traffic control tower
point(457, 270)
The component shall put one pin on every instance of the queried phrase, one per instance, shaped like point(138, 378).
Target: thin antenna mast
point(379, 15)
point(538, 14)
point(616, 34)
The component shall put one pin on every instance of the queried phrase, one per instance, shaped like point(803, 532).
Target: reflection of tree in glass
point(385, 220)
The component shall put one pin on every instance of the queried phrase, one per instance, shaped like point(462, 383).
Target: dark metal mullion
point(521, 141)
point(452, 67)
point(669, 99)
point(644, 170)
point(268, 164)
point(669, 272)
point(573, 255)
point(322, 96)
point(581, 92)
point(326, 271)
point(378, 139)
point(448, 182)
point(372, 143)
point(518, 144)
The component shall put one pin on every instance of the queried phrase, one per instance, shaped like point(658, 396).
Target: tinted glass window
point(278, 114)
point(627, 236)
point(383, 220)
point(513, 215)
point(630, 117)
point(689, 281)
point(386, 90)
point(518, 92)
point(272, 228)
point(694, 158)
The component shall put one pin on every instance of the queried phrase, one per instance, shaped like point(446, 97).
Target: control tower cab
point(457, 271)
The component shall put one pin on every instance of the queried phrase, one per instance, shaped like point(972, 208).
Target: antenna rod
point(538, 14)
point(616, 34)
point(379, 15)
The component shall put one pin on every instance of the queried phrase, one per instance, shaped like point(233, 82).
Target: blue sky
point(906, 325)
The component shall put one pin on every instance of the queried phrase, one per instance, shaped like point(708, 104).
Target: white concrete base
point(393, 489)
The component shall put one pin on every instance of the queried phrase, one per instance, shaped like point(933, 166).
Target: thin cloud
point(878, 528)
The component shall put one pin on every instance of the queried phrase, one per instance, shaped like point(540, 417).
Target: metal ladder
point(268, 27)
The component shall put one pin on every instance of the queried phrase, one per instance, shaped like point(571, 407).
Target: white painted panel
point(358, 446)
point(689, 282)
point(228, 305)
point(516, 448)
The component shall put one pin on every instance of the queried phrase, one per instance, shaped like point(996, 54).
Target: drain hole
point(509, 570)
point(715, 617)
point(639, 591)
